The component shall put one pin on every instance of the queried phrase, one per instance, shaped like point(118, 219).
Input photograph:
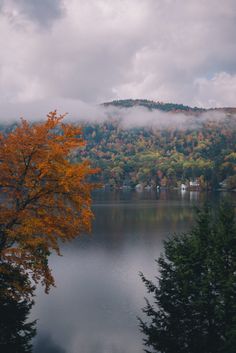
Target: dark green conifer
point(194, 301)
point(16, 331)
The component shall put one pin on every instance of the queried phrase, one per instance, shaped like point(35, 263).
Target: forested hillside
point(168, 157)
point(199, 150)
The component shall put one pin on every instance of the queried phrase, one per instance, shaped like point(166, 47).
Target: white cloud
point(98, 50)
point(217, 91)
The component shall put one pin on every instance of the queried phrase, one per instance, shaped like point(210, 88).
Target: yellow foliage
point(44, 197)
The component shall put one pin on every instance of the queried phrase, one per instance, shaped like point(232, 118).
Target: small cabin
point(194, 185)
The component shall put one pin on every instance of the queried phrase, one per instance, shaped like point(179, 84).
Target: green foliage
point(148, 155)
point(194, 300)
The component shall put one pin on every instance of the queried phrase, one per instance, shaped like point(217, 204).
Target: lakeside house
point(223, 184)
point(194, 185)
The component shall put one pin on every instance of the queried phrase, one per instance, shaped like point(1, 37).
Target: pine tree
point(16, 331)
point(194, 300)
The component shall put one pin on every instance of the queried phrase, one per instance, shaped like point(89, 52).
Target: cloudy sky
point(69, 52)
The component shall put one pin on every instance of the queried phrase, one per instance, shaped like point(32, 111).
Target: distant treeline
point(165, 158)
point(152, 105)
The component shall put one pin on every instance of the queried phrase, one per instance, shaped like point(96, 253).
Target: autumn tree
point(45, 199)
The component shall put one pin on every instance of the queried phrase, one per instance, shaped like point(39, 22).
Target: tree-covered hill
point(203, 152)
point(166, 107)
point(152, 105)
point(197, 148)
point(167, 158)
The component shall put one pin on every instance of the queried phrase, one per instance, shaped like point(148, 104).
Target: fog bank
point(80, 112)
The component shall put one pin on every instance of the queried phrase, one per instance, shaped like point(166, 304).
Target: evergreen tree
point(194, 301)
point(16, 332)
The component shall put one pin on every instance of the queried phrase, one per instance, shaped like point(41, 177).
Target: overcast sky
point(58, 52)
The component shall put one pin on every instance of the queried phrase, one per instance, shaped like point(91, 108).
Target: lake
point(99, 294)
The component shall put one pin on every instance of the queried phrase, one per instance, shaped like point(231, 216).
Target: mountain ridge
point(166, 107)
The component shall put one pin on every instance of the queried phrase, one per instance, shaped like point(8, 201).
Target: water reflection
point(45, 344)
point(99, 293)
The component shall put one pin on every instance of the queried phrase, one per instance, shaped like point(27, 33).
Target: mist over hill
point(166, 107)
point(155, 144)
point(158, 115)
point(153, 105)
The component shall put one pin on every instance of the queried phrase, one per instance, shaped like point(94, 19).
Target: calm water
point(99, 294)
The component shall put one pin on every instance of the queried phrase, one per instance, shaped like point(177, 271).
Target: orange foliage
point(45, 198)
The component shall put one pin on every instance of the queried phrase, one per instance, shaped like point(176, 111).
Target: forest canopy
point(164, 157)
